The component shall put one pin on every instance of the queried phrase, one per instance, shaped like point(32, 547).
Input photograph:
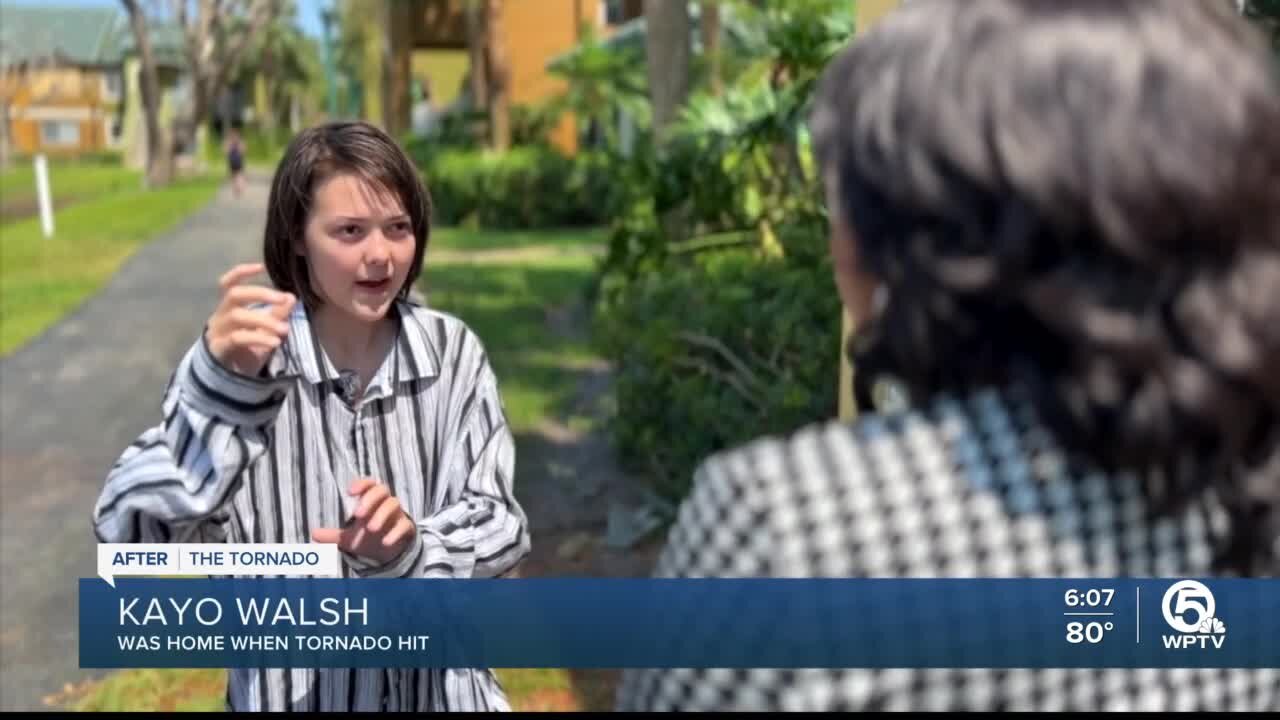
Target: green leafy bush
point(735, 168)
point(715, 352)
point(717, 302)
point(601, 84)
point(525, 187)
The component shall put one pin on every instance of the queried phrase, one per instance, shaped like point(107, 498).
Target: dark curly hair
point(1081, 198)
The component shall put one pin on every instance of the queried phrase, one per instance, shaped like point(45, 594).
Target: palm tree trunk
point(270, 90)
point(159, 153)
point(667, 46)
point(711, 44)
point(499, 78)
point(400, 20)
point(476, 52)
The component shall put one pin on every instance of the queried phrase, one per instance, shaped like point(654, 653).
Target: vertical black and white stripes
point(270, 459)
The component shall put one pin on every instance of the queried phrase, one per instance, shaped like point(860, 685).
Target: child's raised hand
point(379, 528)
point(242, 338)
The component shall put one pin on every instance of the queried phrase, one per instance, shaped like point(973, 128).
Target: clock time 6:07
point(1089, 598)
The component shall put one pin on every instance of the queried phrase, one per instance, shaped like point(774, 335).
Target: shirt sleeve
point(483, 532)
point(174, 483)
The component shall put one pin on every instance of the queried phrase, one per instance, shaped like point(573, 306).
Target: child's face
point(359, 245)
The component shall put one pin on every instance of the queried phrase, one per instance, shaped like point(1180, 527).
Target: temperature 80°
point(1090, 632)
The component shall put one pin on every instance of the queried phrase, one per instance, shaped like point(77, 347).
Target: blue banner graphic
point(729, 623)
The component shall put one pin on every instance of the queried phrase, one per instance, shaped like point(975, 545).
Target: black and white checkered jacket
point(969, 486)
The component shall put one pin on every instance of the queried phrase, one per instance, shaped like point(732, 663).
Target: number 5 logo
point(1184, 596)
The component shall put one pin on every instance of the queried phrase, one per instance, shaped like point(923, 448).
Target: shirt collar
point(414, 355)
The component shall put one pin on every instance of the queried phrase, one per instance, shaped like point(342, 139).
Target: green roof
point(80, 34)
point(166, 42)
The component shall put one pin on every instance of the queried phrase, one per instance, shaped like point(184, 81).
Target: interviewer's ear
point(857, 287)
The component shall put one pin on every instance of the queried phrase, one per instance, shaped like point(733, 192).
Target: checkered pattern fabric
point(971, 486)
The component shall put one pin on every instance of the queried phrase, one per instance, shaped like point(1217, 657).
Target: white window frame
point(58, 141)
point(108, 93)
point(604, 13)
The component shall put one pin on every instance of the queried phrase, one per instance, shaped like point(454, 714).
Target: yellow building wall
point(83, 85)
point(533, 32)
point(61, 94)
point(446, 68)
point(25, 138)
point(536, 31)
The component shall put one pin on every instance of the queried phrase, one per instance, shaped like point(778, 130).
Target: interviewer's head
point(1082, 197)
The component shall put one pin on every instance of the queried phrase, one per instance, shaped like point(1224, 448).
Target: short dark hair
point(317, 154)
point(1080, 198)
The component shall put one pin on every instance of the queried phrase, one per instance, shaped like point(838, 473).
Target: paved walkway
point(70, 402)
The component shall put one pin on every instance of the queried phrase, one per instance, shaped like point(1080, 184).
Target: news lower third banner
point(724, 623)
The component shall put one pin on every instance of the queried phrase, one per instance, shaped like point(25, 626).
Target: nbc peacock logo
point(1189, 608)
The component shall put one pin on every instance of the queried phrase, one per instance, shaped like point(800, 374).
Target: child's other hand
point(379, 529)
point(242, 338)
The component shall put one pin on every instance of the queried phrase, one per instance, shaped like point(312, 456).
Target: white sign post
point(42, 190)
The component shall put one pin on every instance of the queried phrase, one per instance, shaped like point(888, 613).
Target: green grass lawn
point(69, 183)
point(512, 307)
point(205, 690)
point(151, 691)
point(42, 279)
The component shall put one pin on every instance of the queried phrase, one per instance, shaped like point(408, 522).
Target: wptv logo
point(1188, 606)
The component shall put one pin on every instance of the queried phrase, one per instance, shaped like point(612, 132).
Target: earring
point(879, 300)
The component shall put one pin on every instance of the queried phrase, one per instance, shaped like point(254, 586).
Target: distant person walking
point(234, 148)
point(424, 116)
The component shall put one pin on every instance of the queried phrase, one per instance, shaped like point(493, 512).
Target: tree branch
point(157, 157)
point(188, 33)
point(715, 241)
point(195, 42)
point(773, 358)
point(190, 37)
point(728, 379)
point(260, 13)
point(769, 364)
point(714, 344)
point(211, 58)
point(211, 14)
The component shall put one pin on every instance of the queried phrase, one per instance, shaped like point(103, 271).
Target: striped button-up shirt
point(268, 459)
